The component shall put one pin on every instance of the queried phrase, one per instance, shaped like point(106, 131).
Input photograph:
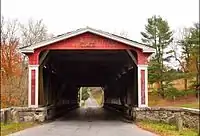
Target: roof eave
point(149, 50)
point(27, 50)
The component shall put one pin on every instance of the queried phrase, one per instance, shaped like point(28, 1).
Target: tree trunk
point(185, 84)
point(162, 90)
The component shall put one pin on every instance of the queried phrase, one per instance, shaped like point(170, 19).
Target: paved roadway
point(86, 122)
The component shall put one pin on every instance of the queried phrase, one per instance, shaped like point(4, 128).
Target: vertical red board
point(33, 87)
point(142, 86)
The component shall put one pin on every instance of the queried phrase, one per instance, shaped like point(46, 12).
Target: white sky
point(62, 16)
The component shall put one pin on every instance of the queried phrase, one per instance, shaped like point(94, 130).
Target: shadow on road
point(91, 114)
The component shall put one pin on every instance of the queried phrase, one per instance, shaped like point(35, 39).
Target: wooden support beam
point(43, 57)
point(41, 88)
point(132, 56)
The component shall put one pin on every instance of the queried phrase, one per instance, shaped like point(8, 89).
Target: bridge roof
point(145, 48)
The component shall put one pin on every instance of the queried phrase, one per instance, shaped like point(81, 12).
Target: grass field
point(14, 127)
point(163, 129)
point(155, 101)
point(194, 104)
point(188, 102)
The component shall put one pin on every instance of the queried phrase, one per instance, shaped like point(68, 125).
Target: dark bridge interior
point(63, 72)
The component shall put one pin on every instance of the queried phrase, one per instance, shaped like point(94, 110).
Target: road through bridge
point(86, 122)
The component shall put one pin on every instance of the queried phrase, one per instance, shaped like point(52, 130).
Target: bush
point(85, 94)
point(189, 92)
point(173, 93)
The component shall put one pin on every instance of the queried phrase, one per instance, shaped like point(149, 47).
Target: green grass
point(187, 102)
point(164, 129)
point(14, 127)
point(191, 105)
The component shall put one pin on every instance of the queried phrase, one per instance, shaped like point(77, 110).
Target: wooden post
point(41, 87)
point(80, 96)
point(5, 121)
point(142, 86)
point(33, 86)
point(179, 123)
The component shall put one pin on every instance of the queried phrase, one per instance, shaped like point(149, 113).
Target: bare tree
point(9, 29)
point(14, 64)
point(122, 33)
point(11, 71)
point(33, 32)
point(181, 51)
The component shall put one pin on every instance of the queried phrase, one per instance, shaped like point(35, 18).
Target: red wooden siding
point(142, 86)
point(32, 87)
point(87, 41)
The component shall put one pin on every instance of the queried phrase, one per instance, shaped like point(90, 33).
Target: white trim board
point(145, 68)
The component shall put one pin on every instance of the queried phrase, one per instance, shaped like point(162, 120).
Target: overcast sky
point(114, 16)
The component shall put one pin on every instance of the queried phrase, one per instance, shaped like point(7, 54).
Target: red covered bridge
point(88, 57)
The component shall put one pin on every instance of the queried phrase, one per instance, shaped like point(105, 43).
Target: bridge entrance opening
point(65, 71)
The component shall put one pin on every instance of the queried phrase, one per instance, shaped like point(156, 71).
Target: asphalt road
point(86, 122)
